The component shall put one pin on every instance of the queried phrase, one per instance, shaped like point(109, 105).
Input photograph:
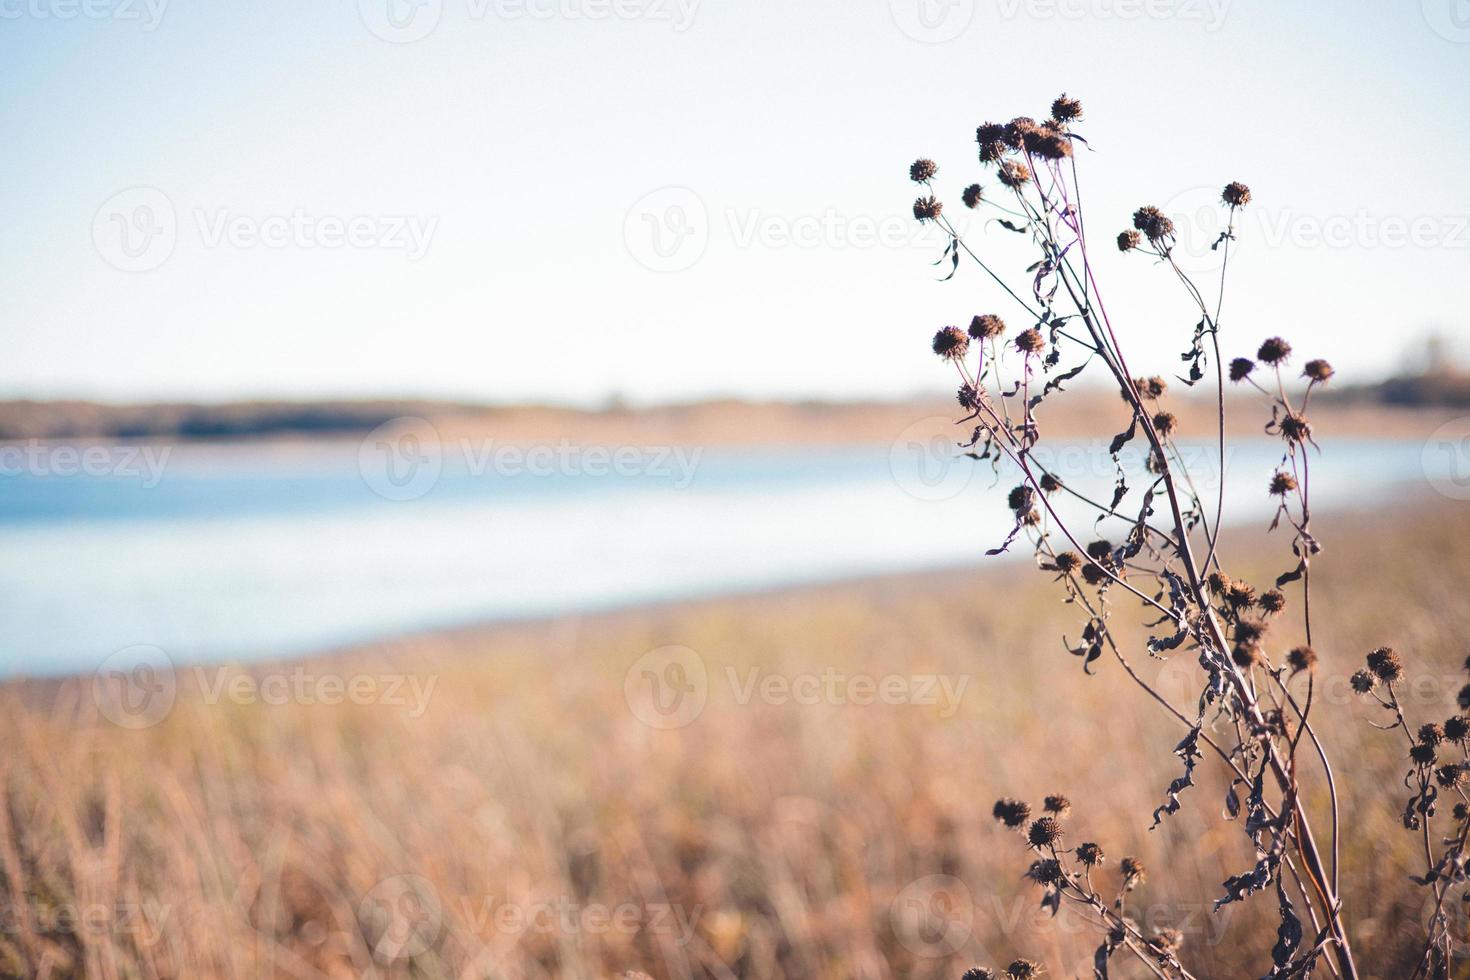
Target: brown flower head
point(1273, 350)
point(1240, 368)
point(1014, 173)
point(1066, 109)
point(1094, 575)
point(1362, 681)
point(1236, 194)
point(1451, 775)
point(987, 325)
point(1012, 813)
point(1166, 941)
point(1090, 854)
point(927, 208)
point(971, 196)
point(1050, 484)
point(1457, 728)
point(1049, 146)
point(1240, 595)
point(1047, 871)
point(1154, 224)
point(1249, 631)
point(1218, 582)
point(1021, 498)
point(1165, 423)
point(990, 132)
point(1318, 370)
point(1151, 388)
point(1462, 811)
point(969, 397)
point(1058, 805)
point(1423, 754)
point(1044, 832)
point(979, 973)
point(1017, 130)
point(1023, 970)
point(1272, 601)
point(1431, 734)
point(1386, 665)
point(1295, 428)
point(922, 171)
point(1128, 240)
point(951, 343)
point(1030, 341)
point(1282, 483)
point(1134, 872)
point(1068, 562)
point(1302, 658)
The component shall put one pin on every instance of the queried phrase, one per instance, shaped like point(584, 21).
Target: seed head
point(1362, 681)
point(1030, 341)
point(969, 397)
point(1246, 655)
point(1134, 872)
point(1044, 832)
point(1282, 483)
point(1165, 423)
point(1318, 370)
point(1021, 497)
point(1386, 665)
point(979, 973)
point(1272, 601)
point(1046, 872)
point(1431, 734)
point(1462, 812)
point(1090, 854)
point(1273, 350)
point(1463, 698)
point(1012, 813)
point(1154, 224)
point(990, 132)
point(1128, 240)
point(1017, 130)
point(1240, 368)
point(1066, 109)
point(922, 171)
point(1068, 562)
point(1302, 658)
point(1295, 428)
point(1166, 941)
point(927, 208)
point(1451, 775)
point(1100, 550)
point(1218, 582)
point(1058, 804)
point(987, 325)
point(951, 343)
point(1050, 484)
point(1240, 595)
point(1014, 174)
point(1423, 754)
point(1236, 194)
point(1094, 575)
point(1151, 388)
point(971, 196)
point(1049, 146)
point(1457, 729)
point(1023, 970)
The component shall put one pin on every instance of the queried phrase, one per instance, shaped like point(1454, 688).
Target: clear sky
point(564, 199)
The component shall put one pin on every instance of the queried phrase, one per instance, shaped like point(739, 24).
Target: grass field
point(536, 801)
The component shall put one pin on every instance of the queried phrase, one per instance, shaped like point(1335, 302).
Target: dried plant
point(1257, 675)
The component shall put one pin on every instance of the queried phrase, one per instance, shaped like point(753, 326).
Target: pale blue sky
point(515, 138)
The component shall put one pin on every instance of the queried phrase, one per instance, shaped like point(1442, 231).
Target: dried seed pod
point(922, 171)
point(1236, 194)
point(951, 343)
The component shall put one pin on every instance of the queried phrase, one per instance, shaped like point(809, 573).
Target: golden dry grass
point(788, 840)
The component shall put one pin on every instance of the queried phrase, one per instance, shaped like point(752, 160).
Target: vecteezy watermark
point(668, 687)
point(934, 917)
point(400, 917)
point(135, 687)
point(1209, 13)
point(670, 229)
point(932, 21)
point(1200, 220)
point(37, 458)
point(1446, 459)
point(148, 14)
point(142, 922)
point(406, 21)
point(402, 459)
point(1450, 19)
point(137, 230)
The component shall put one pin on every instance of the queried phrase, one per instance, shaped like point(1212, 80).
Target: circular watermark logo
point(135, 230)
point(934, 916)
point(932, 21)
point(401, 917)
point(1445, 459)
point(135, 687)
point(400, 21)
point(667, 687)
point(401, 459)
point(667, 230)
point(926, 460)
point(1450, 19)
